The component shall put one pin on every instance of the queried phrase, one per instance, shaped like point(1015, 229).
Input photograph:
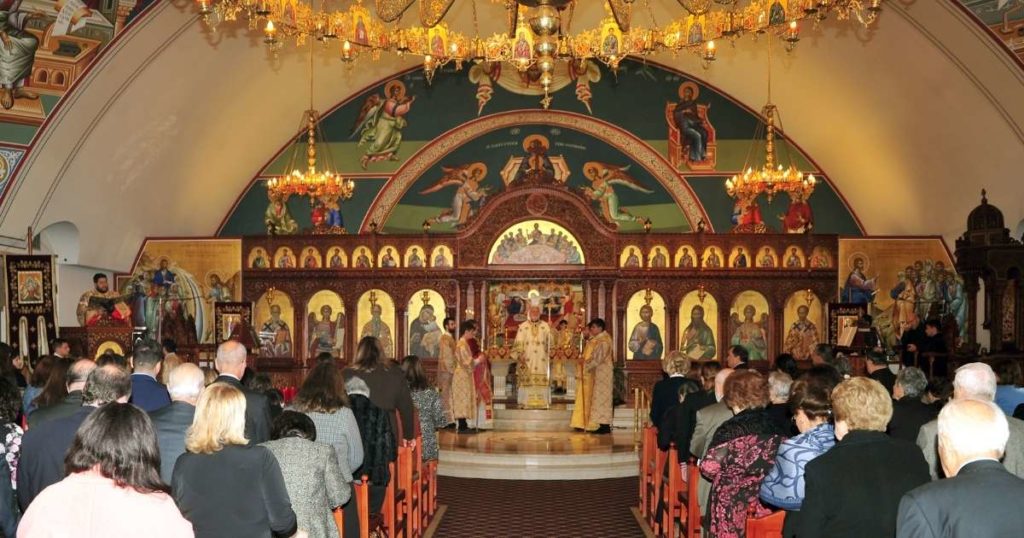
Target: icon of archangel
point(469, 194)
point(380, 123)
point(603, 178)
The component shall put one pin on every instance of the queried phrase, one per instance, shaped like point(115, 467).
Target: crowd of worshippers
point(882, 455)
point(151, 445)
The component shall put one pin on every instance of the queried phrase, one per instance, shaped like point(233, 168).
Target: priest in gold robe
point(593, 409)
point(102, 303)
point(534, 343)
point(464, 400)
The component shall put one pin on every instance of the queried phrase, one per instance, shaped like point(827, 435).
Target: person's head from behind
point(414, 373)
point(822, 354)
point(219, 420)
point(77, 373)
point(745, 389)
point(369, 354)
point(186, 383)
point(787, 364)
point(876, 360)
point(861, 403)
point(779, 386)
point(293, 424)
point(1008, 372)
point(708, 371)
point(676, 364)
point(810, 401)
point(260, 383)
point(109, 357)
point(939, 390)
point(230, 359)
point(323, 391)
point(118, 440)
point(325, 356)
point(42, 371)
point(736, 356)
point(932, 327)
point(10, 401)
point(974, 381)
point(720, 378)
point(107, 384)
point(910, 384)
point(209, 375)
point(168, 346)
point(467, 329)
point(60, 347)
point(684, 390)
point(970, 430)
point(147, 360)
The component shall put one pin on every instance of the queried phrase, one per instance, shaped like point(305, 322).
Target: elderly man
point(78, 372)
point(708, 421)
point(909, 413)
point(44, 446)
point(230, 364)
point(982, 499)
point(779, 386)
point(975, 381)
point(185, 384)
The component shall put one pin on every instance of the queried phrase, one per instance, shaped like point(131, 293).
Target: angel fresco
point(469, 195)
point(326, 334)
point(380, 123)
point(602, 178)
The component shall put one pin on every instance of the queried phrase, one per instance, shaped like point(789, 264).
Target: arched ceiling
point(171, 123)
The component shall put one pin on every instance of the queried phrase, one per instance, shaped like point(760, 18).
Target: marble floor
point(537, 443)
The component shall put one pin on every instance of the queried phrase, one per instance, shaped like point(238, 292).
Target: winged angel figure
point(380, 123)
point(469, 195)
point(603, 177)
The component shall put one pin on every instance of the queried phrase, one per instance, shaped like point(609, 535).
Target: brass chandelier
point(536, 33)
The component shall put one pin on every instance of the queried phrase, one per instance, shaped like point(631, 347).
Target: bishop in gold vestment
point(593, 408)
point(533, 346)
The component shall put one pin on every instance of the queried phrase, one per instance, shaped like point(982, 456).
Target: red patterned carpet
point(537, 508)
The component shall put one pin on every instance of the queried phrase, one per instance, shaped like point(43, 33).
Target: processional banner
point(31, 291)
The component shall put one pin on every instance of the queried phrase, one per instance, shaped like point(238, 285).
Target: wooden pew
point(648, 460)
point(769, 526)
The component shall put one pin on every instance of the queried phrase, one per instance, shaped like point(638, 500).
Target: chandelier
point(534, 33)
point(323, 183)
point(772, 176)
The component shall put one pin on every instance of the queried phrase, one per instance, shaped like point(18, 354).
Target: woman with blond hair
point(225, 487)
point(665, 394)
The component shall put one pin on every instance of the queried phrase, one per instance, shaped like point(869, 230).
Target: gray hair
point(779, 386)
point(975, 381)
point(185, 381)
point(106, 384)
point(913, 381)
point(973, 427)
point(231, 352)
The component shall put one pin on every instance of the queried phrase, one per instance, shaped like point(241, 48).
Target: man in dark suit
point(854, 489)
point(230, 363)
point(737, 358)
point(77, 374)
point(172, 421)
point(909, 413)
point(877, 365)
point(43, 447)
point(148, 394)
point(982, 499)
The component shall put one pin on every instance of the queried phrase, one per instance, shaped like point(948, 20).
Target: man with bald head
point(974, 381)
point(44, 446)
point(185, 384)
point(982, 499)
point(77, 374)
point(230, 363)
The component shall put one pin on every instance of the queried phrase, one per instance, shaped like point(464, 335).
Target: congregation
point(814, 451)
point(150, 442)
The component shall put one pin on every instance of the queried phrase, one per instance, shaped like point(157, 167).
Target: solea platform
point(532, 444)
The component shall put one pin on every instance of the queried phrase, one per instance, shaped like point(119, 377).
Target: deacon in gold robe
point(91, 312)
point(446, 366)
point(593, 409)
point(463, 391)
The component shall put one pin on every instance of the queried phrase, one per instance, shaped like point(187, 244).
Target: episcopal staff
point(593, 409)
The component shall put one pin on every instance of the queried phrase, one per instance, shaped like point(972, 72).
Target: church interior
point(558, 209)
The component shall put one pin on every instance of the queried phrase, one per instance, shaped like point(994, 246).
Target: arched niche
point(337, 258)
point(389, 257)
point(658, 258)
point(284, 258)
point(803, 317)
point(698, 325)
point(426, 312)
point(794, 258)
point(311, 258)
point(362, 258)
point(767, 258)
point(536, 242)
point(686, 257)
point(441, 257)
point(645, 321)
point(415, 257)
point(274, 321)
point(739, 257)
point(820, 258)
point(712, 258)
point(749, 323)
point(375, 317)
point(631, 257)
point(258, 259)
point(325, 324)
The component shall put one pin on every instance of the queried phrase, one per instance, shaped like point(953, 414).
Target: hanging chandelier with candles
point(533, 32)
point(320, 180)
point(770, 176)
